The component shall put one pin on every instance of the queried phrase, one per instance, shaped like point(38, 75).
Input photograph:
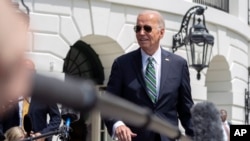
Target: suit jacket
point(175, 100)
point(8, 120)
point(38, 113)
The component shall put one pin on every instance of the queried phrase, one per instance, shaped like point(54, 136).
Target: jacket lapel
point(30, 106)
point(137, 64)
point(165, 66)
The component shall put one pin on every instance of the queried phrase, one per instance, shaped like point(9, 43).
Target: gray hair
point(161, 21)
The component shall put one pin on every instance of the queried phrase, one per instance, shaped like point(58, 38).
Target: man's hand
point(123, 133)
point(36, 135)
point(13, 44)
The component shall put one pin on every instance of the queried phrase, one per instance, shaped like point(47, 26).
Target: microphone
point(69, 116)
point(27, 124)
point(206, 122)
point(2, 137)
point(67, 129)
point(69, 113)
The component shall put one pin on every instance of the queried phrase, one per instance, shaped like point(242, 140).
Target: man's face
point(223, 115)
point(149, 39)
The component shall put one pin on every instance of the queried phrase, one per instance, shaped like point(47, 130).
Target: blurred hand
point(123, 133)
point(36, 135)
point(17, 83)
point(13, 43)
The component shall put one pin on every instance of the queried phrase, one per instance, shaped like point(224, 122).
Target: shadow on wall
point(218, 82)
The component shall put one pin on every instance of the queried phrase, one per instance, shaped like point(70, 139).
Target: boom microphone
point(206, 122)
point(76, 94)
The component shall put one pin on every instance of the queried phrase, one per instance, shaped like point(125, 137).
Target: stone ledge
point(49, 43)
point(68, 30)
point(62, 7)
point(44, 22)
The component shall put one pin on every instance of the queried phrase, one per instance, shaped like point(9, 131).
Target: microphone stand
point(62, 131)
point(65, 135)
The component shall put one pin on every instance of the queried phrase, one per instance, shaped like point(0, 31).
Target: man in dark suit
point(38, 114)
point(151, 77)
point(37, 111)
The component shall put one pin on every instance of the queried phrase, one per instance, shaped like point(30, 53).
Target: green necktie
point(150, 80)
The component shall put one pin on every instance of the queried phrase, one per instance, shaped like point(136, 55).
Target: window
point(218, 4)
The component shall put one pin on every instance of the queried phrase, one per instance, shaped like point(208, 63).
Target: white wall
point(239, 9)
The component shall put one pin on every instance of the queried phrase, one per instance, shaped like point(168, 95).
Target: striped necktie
point(26, 106)
point(150, 80)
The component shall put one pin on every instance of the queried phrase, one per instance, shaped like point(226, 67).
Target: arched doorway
point(82, 61)
point(108, 50)
point(218, 82)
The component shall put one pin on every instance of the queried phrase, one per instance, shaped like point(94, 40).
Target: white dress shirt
point(20, 105)
point(157, 65)
point(225, 137)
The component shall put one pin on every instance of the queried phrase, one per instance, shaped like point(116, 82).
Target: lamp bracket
point(26, 7)
point(179, 39)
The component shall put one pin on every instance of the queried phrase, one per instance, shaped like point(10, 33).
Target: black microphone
point(2, 137)
point(206, 122)
point(27, 124)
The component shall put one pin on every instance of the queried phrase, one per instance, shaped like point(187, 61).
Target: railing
point(218, 4)
point(98, 129)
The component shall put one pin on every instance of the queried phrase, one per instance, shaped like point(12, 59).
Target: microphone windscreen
point(27, 124)
point(207, 125)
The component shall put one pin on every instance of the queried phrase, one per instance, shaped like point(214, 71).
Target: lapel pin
point(167, 59)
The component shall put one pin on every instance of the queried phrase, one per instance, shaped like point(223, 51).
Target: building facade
point(107, 26)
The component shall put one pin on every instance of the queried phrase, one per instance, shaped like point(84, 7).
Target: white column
point(239, 8)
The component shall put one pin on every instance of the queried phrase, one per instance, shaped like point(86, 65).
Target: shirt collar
point(156, 56)
point(21, 98)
